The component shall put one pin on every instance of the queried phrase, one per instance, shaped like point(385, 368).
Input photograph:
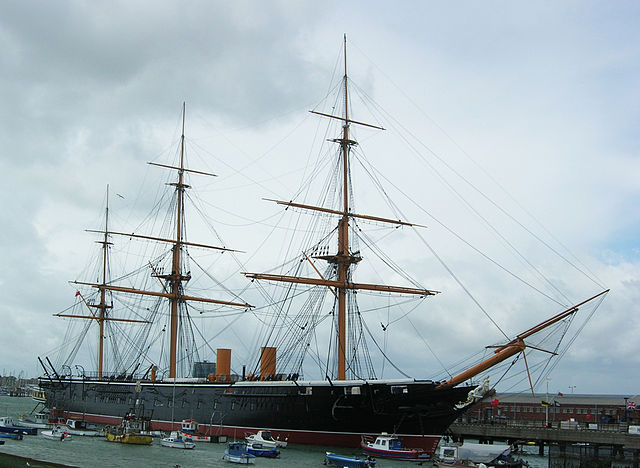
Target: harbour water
point(96, 451)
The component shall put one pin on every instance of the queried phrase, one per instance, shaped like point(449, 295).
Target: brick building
point(584, 409)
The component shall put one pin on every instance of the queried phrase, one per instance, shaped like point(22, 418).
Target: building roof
point(567, 399)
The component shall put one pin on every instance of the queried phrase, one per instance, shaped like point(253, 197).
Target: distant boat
point(348, 462)
point(259, 450)
point(237, 452)
point(266, 439)
point(57, 433)
point(177, 440)
point(8, 425)
point(386, 446)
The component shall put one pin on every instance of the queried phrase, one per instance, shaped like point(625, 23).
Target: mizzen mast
point(343, 259)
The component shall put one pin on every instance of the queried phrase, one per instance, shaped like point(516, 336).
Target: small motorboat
point(37, 420)
point(56, 433)
point(80, 428)
point(386, 446)
point(473, 455)
point(259, 450)
point(7, 435)
point(237, 452)
point(266, 439)
point(345, 461)
point(190, 429)
point(9, 426)
point(177, 440)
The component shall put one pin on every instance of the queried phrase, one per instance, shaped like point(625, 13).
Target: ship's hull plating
point(326, 413)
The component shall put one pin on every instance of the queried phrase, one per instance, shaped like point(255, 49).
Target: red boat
point(386, 446)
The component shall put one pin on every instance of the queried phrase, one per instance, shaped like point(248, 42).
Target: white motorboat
point(177, 440)
point(56, 433)
point(266, 439)
point(80, 428)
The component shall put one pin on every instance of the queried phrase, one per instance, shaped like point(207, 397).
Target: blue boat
point(7, 435)
point(259, 450)
point(7, 425)
point(236, 452)
point(349, 462)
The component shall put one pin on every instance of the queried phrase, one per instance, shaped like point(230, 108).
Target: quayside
point(168, 380)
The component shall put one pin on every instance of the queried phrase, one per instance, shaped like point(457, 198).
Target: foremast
point(344, 258)
point(176, 279)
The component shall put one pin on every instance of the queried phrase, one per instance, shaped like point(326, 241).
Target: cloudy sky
point(534, 106)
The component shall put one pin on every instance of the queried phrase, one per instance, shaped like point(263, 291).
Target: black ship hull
point(326, 413)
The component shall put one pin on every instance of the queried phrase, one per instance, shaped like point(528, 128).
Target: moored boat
point(37, 420)
point(7, 435)
point(473, 454)
point(81, 428)
point(8, 425)
point(260, 450)
point(177, 440)
point(190, 429)
point(129, 431)
point(266, 439)
point(237, 452)
point(345, 461)
point(388, 446)
point(56, 433)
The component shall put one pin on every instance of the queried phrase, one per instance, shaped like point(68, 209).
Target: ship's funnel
point(223, 366)
point(267, 362)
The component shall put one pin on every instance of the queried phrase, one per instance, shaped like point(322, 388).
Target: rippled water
point(96, 451)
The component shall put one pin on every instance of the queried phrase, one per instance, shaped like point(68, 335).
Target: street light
point(546, 407)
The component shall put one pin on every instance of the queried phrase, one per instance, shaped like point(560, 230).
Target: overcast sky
point(542, 99)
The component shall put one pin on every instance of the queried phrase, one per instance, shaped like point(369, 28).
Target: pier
point(516, 434)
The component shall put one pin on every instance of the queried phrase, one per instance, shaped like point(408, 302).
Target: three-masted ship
point(335, 410)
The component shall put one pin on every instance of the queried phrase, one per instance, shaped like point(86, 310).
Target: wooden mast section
point(515, 346)
point(343, 259)
point(103, 305)
point(176, 278)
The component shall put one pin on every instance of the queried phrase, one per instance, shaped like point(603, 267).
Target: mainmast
point(176, 278)
point(343, 259)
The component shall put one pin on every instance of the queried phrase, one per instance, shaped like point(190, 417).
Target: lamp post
point(546, 407)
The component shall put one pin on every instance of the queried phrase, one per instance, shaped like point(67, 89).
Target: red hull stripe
point(428, 443)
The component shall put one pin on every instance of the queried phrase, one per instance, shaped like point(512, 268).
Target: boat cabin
point(189, 425)
point(387, 443)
